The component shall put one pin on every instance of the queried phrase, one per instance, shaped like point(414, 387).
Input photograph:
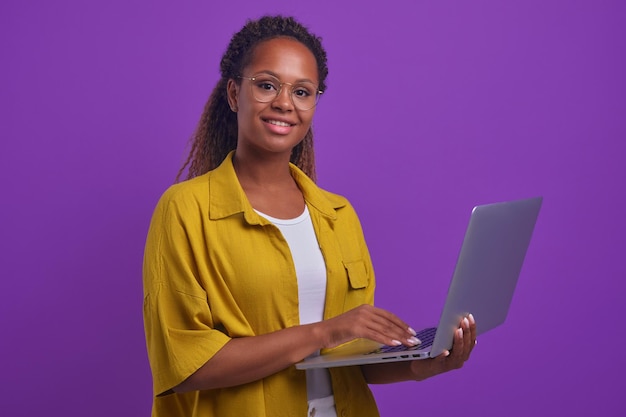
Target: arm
point(276, 351)
point(418, 370)
point(273, 352)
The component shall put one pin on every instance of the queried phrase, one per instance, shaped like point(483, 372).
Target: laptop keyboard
point(426, 336)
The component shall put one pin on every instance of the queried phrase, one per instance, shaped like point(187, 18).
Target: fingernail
point(446, 353)
point(396, 343)
point(413, 332)
point(471, 319)
point(466, 322)
point(459, 332)
point(413, 341)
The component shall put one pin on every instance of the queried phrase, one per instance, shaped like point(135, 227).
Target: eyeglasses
point(266, 88)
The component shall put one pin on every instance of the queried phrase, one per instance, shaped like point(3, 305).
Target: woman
point(250, 267)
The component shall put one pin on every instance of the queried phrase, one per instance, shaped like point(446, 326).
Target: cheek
point(246, 114)
point(307, 116)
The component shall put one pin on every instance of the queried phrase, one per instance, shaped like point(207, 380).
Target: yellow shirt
point(215, 270)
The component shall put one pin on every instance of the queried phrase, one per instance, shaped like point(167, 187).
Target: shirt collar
point(226, 197)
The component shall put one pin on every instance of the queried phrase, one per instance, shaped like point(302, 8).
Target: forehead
point(285, 58)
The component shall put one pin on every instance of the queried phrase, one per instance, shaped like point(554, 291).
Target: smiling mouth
point(278, 123)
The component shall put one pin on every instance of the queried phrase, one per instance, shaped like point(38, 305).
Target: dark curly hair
point(216, 134)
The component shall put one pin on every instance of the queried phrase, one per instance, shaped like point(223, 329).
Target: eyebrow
point(273, 74)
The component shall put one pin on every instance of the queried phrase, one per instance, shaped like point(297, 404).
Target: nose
point(283, 100)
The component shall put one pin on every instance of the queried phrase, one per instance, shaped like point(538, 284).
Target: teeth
point(278, 123)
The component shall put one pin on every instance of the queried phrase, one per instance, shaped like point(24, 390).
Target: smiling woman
point(250, 267)
point(268, 129)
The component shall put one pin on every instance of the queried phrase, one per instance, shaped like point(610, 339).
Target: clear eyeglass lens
point(265, 88)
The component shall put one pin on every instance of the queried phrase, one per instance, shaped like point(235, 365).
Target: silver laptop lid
point(488, 266)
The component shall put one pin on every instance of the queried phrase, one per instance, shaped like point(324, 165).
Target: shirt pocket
point(357, 274)
point(358, 283)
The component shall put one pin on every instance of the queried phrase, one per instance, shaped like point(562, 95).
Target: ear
point(232, 91)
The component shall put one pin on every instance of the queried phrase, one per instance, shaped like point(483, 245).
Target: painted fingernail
point(446, 353)
point(459, 332)
point(466, 322)
point(413, 332)
point(396, 343)
point(414, 341)
point(471, 319)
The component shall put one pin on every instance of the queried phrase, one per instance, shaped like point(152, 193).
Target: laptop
point(483, 283)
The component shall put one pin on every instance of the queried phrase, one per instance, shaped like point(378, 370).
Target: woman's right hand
point(367, 322)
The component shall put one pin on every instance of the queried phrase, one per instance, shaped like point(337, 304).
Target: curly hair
point(216, 133)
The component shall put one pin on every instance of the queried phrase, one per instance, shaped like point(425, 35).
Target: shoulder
point(325, 201)
point(188, 189)
point(194, 187)
point(335, 206)
point(185, 195)
point(338, 201)
point(330, 203)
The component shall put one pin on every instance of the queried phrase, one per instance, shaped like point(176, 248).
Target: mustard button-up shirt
point(215, 270)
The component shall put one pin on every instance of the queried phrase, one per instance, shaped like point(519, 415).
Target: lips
point(278, 123)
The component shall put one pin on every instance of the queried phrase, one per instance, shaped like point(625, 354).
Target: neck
point(261, 170)
point(268, 184)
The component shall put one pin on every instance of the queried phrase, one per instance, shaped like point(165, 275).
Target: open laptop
point(485, 277)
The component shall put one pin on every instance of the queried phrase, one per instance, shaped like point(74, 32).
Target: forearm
point(234, 365)
point(418, 370)
point(387, 373)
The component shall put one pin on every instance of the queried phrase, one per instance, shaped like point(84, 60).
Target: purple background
point(432, 107)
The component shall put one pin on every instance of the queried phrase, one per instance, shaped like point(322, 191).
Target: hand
point(367, 322)
point(464, 342)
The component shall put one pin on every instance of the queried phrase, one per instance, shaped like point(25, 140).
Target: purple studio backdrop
point(432, 107)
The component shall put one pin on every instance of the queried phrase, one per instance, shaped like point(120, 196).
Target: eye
point(266, 85)
point(302, 91)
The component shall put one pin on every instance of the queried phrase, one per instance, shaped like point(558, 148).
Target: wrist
point(418, 369)
point(317, 333)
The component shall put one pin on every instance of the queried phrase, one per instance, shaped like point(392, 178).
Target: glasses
point(266, 88)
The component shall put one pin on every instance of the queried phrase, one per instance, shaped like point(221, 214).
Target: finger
point(392, 318)
point(457, 357)
point(389, 332)
point(472, 322)
point(442, 356)
point(457, 345)
point(467, 338)
point(389, 326)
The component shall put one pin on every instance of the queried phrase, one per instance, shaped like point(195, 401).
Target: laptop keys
point(426, 336)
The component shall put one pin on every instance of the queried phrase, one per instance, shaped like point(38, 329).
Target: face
point(274, 127)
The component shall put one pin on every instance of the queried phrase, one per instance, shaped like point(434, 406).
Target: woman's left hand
point(464, 342)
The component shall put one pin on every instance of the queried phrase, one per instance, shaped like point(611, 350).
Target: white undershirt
point(311, 275)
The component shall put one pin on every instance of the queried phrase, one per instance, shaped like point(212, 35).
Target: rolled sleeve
point(179, 326)
point(179, 336)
